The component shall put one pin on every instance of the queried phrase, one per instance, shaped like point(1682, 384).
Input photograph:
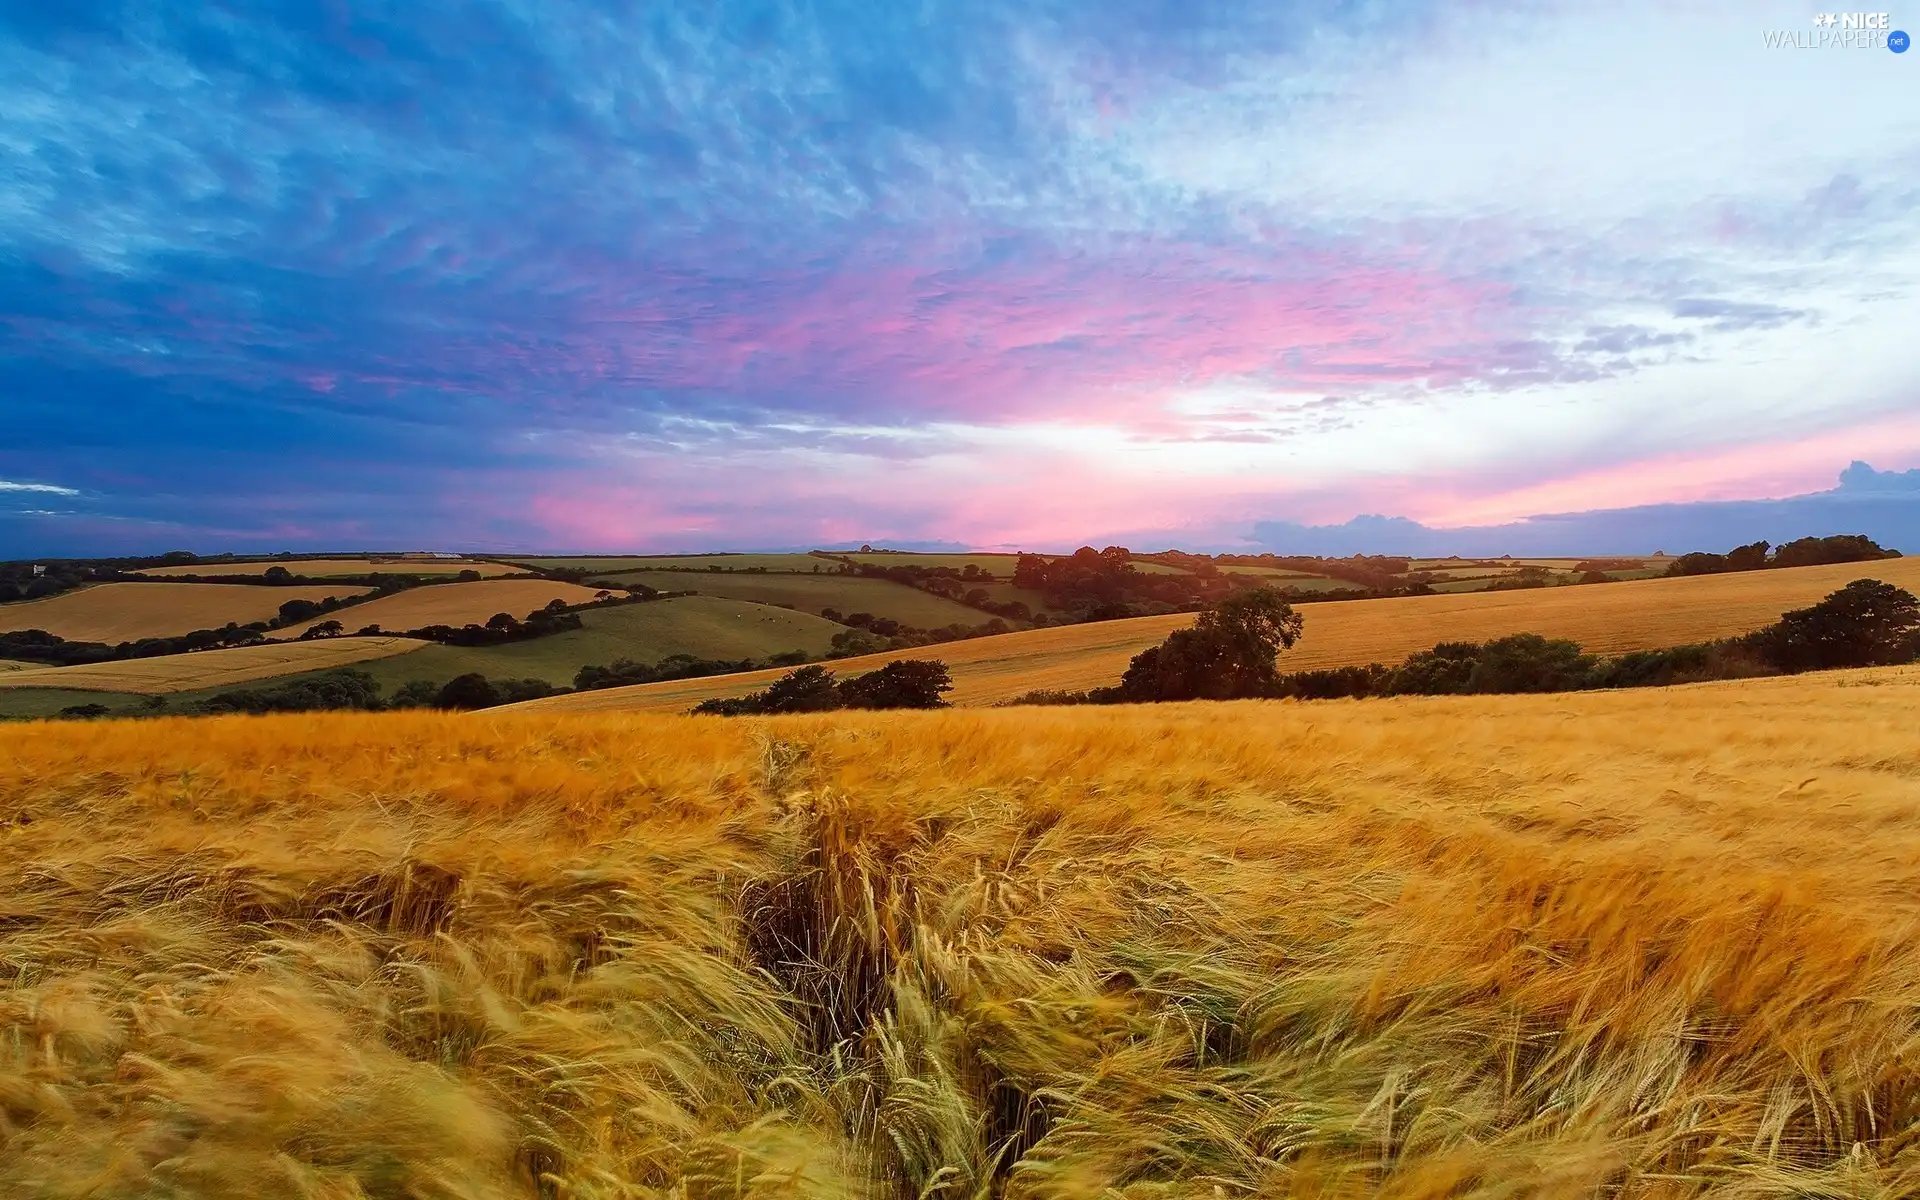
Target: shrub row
point(903, 683)
point(1228, 654)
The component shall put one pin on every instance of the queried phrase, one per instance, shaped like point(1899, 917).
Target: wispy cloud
point(7, 485)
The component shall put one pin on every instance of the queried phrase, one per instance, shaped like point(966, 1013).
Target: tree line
point(903, 683)
point(1232, 651)
point(1803, 552)
point(38, 645)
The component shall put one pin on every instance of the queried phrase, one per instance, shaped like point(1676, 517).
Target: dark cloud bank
point(1884, 505)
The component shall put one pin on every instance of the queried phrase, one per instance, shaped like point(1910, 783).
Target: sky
point(662, 277)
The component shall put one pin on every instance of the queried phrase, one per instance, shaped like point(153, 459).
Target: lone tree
point(1228, 653)
point(1865, 624)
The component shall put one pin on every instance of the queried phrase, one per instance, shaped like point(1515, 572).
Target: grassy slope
point(175, 673)
point(1608, 618)
point(704, 626)
point(1000, 566)
point(811, 593)
point(1650, 944)
point(1303, 583)
point(125, 612)
point(27, 703)
point(449, 604)
point(698, 562)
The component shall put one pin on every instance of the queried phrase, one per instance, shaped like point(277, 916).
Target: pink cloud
point(1760, 470)
point(1114, 334)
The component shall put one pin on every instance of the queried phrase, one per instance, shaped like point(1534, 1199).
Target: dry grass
point(170, 673)
point(1609, 618)
point(451, 604)
point(8, 664)
point(1648, 944)
point(320, 568)
point(126, 612)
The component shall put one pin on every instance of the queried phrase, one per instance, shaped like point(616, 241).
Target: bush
point(1681, 664)
point(1865, 624)
point(809, 689)
point(908, 683)
point(470, 691)
point(335, 689)
point(1527, 662)
point(624, 671)
point(1441, 671)
point(1052, 696)
point(416, 693)
point(1337, 683)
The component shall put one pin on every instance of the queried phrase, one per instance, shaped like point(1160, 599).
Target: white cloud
point(48, 488)
point(1582, 114)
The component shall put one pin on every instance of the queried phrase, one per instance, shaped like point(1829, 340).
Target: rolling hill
point(702, 626)
point(1658, 943)
point(682, 562)
point(813, 593)
point(1609, 618)
point(321, 568)
point(168, 673)
point(447, 604)
point(126, 612)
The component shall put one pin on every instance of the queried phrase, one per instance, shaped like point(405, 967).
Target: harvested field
point(169, 673)
point(126, 612)
point(1609, 618)
point(815, 593)
point(450, 604)
point(998, 565)
point(786, 563)
point(1658, 944)
point(320, 568)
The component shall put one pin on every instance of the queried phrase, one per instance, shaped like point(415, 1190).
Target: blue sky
point(625, 276)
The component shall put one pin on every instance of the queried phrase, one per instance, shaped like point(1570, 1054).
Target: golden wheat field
point(451, 604)
point(319, 568)
point(168, 673)
point(1608, 618)
point(1656, 943)
point(126, 612)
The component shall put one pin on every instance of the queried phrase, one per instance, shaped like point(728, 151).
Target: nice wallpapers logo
point(1843, 31)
